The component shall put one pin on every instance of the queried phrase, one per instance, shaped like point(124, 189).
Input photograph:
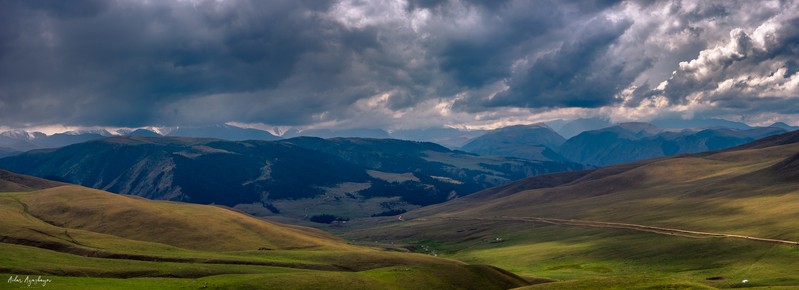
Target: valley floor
point(594, 255)
point(628, 226)
point(70, 237)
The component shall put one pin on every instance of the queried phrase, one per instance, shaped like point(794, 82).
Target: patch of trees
point(328, 218)
point(392, 212)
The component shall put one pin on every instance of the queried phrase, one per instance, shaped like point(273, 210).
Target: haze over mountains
point(637, 141)
point(534, 142)
point(611, 145)
point(23, 141)
point(415, 174)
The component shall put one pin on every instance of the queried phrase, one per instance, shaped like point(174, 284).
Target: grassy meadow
point(740, 192)
point(81, 238)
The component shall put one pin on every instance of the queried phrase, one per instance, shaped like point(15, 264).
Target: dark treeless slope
point(742, 191)
point(10, 181)
point(782, 139)
point(749, 191)
point(212, 171)
point(190, 169)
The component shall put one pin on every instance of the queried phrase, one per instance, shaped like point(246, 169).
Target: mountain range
point(294, 177)
point(224, 132)
point(570, 128)
point(619, 143)
point(5, 151)
point(19, 140)
point(637, 141)
point(328, 133)
point(15, 141)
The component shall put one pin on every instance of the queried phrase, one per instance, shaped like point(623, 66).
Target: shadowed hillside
point(82, 238)
point(182, 225)
point(299, 178)
point(701, 219)
point(664, 191)
point(10, 181)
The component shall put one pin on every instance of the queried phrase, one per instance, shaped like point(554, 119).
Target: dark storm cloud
point(578, 74)
point(287, 62)
point(485, 55)
point(509, 30)
point(431, 4)
point(116, 63)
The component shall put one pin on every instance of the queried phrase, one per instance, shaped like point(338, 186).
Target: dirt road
point(636, 227)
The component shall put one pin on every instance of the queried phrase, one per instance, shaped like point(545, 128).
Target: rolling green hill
point(81, 238)
point(10, 181)
point(704, 220)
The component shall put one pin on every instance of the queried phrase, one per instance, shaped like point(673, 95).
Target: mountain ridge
point(533, 142)
point(286, 177)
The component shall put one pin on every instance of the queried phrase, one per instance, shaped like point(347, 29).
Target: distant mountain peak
point(783, 125)
point(143, 132)
point(528, 126)
point(19, 134)
point(534, 142)
point(330, 133)
point(640, 126)
point(101, 132)
point(633, 130)
point(699, 123)
point(222, 131)
point(571, 128)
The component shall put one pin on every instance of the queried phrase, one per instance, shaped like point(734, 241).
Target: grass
point(575, 254)
point(352, 206)
point(10, 182)
point(631, 282)
point(181, 225)
point(464, 161)
point(402, 277)
point(733, 192)
point(81, 238)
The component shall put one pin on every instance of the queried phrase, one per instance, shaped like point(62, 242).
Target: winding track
point(636, 227)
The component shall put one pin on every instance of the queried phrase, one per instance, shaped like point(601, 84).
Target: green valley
point(711, 219)
point(82, 238)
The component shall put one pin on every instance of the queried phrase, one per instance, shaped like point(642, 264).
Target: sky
point(394, 64)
